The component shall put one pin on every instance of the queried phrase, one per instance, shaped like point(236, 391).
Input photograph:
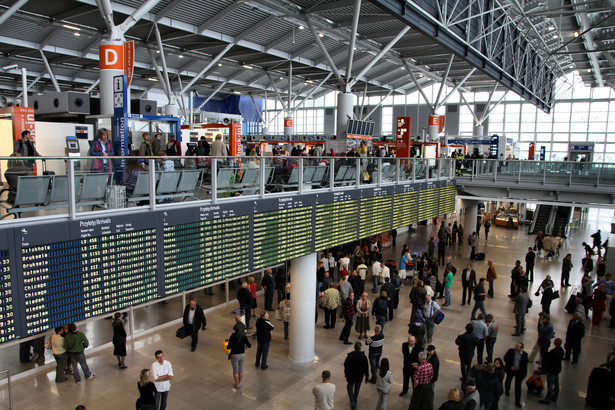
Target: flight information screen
point(281, 235)
point(405, 208)
point(7, 313)
point(336, 223)
point(428, 203)
point(375, 215)
point(447, 199)
point(74, 280)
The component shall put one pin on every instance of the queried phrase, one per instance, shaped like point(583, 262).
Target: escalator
point(541, 219)
point(561, 223)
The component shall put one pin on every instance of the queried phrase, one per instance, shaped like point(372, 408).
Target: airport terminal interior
point(174, 148)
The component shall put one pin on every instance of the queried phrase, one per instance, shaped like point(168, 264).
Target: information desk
point(58, 272)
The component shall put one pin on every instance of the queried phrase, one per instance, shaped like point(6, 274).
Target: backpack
point(171, 149)
point(381, 306)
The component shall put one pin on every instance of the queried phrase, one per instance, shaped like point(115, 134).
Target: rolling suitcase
point(598, 389)
point(479, 256)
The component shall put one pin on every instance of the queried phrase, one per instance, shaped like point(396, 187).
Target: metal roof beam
point(207, 68)
point(324, 51)
point(353, 39)
point(51, 75)
point(320, 84)
point(135, 17)
point(75, 12)
point(263, 23)
point(167, 9)
point(228, 10)
point(12, 10)
point(335, 5)
point(363, 21)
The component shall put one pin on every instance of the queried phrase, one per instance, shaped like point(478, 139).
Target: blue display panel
point(7, 299)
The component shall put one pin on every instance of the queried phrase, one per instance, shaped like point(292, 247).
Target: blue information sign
point(120, 122)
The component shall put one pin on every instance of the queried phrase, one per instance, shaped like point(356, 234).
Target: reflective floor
point(203, 379)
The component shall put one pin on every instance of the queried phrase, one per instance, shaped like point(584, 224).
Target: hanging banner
point(441, 120)
point(234, 139)
point(129, 60)
point(403, 137)
point(531, 151)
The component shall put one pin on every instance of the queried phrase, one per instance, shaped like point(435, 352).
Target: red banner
point(403, 137)
point(441, 120)
point(234, 139)
point(129, 60)
point(111, 57)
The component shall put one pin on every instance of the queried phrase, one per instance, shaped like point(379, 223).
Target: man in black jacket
point(515, 366)
point(268, 283)
point(530, 259)
point(468, 281)
point(194, 320)
point(244, 297)
point(410, 350)
point(467, 344)
point(574, 334)
point(552, 365)
point(356, 368)
point(263, 337)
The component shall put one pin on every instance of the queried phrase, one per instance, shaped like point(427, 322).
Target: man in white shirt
point(324, 393)
point(345, 261)
point(161, 373)
point(386, 272)
point(376, 271)
point(325, 262)
point(362, 271)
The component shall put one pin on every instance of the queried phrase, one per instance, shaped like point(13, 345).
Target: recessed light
point(320, 35)
point(158, 51)
point(236, 92)
point(551, 27)
point(281, 78)
point(248, 66)
point(152, 78)
point(576, 34)
point(71, 27)
point(589, 70)
point(219, 64)
point(181, 56)
point(77, 34)
point(555, 36)
point(301, 27)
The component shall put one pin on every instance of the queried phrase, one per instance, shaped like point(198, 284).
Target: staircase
point(561, 223)
point(541, 219)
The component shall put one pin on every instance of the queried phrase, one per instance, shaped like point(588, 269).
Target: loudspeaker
point(69, 102)
point(226, 121)
point(144, 107)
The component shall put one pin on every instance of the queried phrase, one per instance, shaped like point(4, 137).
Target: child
point(384, 379)
point(534, 383)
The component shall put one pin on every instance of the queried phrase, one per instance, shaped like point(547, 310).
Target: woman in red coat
point(599, 304)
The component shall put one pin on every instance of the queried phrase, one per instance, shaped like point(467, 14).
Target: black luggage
point(599, 389)
point(570, 306)
point(479, 256)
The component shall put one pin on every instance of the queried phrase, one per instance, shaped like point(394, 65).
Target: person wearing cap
point(516, 368)
point(422, 398)
point(471, 400)
point(434, 361)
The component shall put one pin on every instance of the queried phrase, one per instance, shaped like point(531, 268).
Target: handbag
point(225, 346)
point(439, 318)
point(555, 295)
point(181, 333)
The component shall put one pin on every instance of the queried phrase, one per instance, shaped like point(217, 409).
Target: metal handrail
point(8, 383)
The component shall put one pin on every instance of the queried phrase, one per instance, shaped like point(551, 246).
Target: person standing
point(162, 374)
point(545, 334)
point(147, 391)
point(434, 360)
point(119, 340)
point(25, 148)
point(244, 297)
point(384, 379)
point(355, 369)
point(479, 299)
point(376, 271)
point(448, 284)
point(574, 334)
point(422, 398)
point(324, 393)
point(380, 308)
point(491, 276)
point(530, 259)
point(56, 344)
point(263, 337)
point(471, 400)
point(252, 286)
point(375, 344)
point(417, 297)
point(330, 303)
point(566, 268)
point(467, 343)
point(473, 241)
point(348, 313)
point(468, 282)
point(430, 310)
point(285, 312)
point(410, 351)
point(552, 365)
point(268, 284)
point(389, 288)
point(487, 228)
point(547, 294)
point(194, 320)
point(75, 343)
point(363, 309)
point(521, 305)
point(145, 150)
point(492, 335)
point(157, 144)
point(481, 331)
point(237, 342)
point(102, 147)
point(516, 368)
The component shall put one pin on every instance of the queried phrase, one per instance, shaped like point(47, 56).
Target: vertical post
point(302, 309)
point(152, 188)
point(413, 163)
point(262, 164)
point(332, 173)
point(131, 315)
point(379, 181)
point(24, 85)
point(8, 383)
point(226, 290)
point(300, 176)
point(544, 172)
point(214, 180)
point(184, 298)
point(357, 173)
point(72, 208)
point(439, 161)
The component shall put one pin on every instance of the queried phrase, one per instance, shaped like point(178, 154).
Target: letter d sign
point(111, 57)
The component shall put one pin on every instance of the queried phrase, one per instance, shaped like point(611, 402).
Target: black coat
point(552, 363)
point(509, 360)
point(263, 330)
point(472, 281)
point(575, 332)
point(199, 318)
point(244, 297)
point(435, 364)
point(409, 357)
point(467, 345)
point(268, 283)
point(356, 367)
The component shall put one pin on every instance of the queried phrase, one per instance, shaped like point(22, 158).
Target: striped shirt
point(375, 343)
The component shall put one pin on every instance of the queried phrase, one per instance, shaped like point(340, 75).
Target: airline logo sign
point(288, 122)
point(129, 60)
point(111, 57)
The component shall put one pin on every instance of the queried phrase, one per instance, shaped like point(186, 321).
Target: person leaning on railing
point(15, 169)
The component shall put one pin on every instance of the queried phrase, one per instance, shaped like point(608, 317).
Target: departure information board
point(336, 222)
point(203, 252)
point(428, 203)
point(74, 280)
point(7, 313)
point(57, 272)
point(375, 214)
point(405, 208)
point(447, 200)
point(281, 235)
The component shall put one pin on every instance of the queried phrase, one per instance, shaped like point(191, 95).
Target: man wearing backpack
point(379, 309)
point(25, 148)
point(173, 147)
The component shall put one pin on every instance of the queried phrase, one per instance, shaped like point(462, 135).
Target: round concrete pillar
point(302, 308)
point(344, 111)
point(470, 216)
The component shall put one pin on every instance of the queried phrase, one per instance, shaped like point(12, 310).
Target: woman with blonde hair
point(147, 390)
point(454, 400)
point(364, 306)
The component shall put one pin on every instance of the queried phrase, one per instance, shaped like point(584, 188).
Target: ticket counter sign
point(403, 137)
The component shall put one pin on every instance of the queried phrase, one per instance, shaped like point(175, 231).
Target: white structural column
point(479, 130)
point(345, 103)
point(469, 220)
point(302, 308)
point(111, 64)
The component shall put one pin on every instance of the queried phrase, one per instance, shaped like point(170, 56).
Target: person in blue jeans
point(553, 367)
point(263, 337)
point(375, 344)
point(448, 283)
point(479, 299)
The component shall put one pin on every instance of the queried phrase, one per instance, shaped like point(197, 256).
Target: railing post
point(379, 166)
point(332, 173)
point(357, 172)
point(495, 170)
point(598, 176)
point(8, 383)
point(214, 180)
point(300, 178)
point(544, 173)
point(152, 188)
point(413, 164)
point(439, 161)
point(184, 298)
point(72, 208)
point(262, 178)
point(131, 315)
point(571, 170)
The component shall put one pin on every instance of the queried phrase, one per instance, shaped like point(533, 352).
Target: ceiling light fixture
point(181, 56)
point(152, 78)
point(71, 27)
point(77, 34)
point(551, 27)
point(248, 66)
point(555, 36)
point(301, 27)
point(576, 34)
point(589, 70)
point(219, 64)
point(236, 92)
point(321, 35)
